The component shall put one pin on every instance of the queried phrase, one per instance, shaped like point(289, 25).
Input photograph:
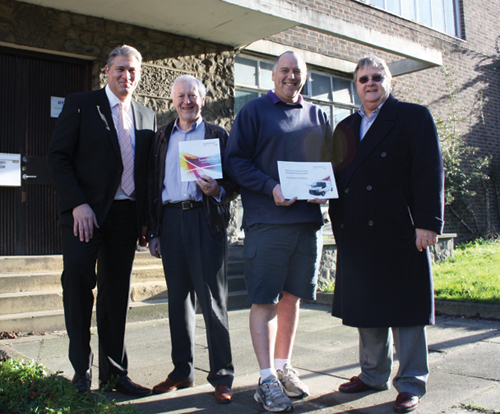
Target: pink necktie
point(127, 183)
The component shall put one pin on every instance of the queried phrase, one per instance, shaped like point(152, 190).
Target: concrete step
point(40, 321)
point(31, 294)
point(28, 302)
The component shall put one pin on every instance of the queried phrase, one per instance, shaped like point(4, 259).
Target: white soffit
point(238, 23)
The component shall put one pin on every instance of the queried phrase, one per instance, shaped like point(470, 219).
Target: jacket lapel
point(104, 111)
point(385, 122)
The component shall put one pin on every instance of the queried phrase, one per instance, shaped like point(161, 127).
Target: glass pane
point(245, 71)
point(357, 99)
point(438, 15)
point(378, 3)
point(266, 75)
point(449, 16)
point(341, 113)
point(424, 12)
point(242, 97)
point(305, 89)
point(342, 91)
point(408, 9)
point(320, 86)
point(393, 6)
point(328, 110)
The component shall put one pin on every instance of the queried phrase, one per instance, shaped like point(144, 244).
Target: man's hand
point(425, 238)
point(208, 185)
point(84, 221)
point(318, 200)
point(279, 200)
point(142, 240)
point(155, 247)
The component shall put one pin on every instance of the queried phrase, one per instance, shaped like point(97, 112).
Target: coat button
point(383, 154)
point(370, 223)
point(369, 188)
point(342, 226)
point(346, 190)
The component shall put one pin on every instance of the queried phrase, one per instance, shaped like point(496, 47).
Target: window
point(336, 96)
point(441, 15)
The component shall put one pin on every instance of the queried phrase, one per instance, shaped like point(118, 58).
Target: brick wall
point(470, 64)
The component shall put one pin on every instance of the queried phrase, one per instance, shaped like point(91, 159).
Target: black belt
point(185, 205)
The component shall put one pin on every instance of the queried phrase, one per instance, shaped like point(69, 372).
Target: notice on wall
point(307, 180)
point(56, 106)
point(10, 170)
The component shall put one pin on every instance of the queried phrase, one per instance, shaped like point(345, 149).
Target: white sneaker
point(291, 383)
point(271, 394)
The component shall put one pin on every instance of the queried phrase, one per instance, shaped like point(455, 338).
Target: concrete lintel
point(330, 25)
point(405, 66)
point(317, 59)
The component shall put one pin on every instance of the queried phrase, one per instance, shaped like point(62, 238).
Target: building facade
point(443, 54)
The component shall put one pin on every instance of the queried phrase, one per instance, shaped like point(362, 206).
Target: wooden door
point(29, 82)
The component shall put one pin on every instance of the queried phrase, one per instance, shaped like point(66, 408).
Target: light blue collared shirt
point(367, 121)
point(175, 190)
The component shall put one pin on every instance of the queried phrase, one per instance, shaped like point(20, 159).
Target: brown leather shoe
point(406, 402)
point(354, 385)
point(170, 385)
point(223, 394)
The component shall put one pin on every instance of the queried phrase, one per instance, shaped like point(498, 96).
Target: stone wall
point(165, 55)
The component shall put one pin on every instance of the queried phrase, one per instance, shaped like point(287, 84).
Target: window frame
point(457, 29)
point(332, 103)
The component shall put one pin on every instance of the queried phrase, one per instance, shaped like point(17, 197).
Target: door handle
point(27, 177)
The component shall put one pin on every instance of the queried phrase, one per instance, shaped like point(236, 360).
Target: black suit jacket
point(218, 214)
point(84, 156)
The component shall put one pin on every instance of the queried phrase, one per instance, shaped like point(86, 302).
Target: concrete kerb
point(462, 309)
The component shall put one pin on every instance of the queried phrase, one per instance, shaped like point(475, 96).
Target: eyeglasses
point(375, 78)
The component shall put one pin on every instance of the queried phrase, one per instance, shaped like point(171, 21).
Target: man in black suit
point(187, 228)
point(98, 161)
point(390, 179)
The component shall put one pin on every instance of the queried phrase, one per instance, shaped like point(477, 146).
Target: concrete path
point(464, 361)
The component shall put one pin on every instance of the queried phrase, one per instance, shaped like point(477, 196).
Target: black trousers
point(194, 261)
point(113, 248)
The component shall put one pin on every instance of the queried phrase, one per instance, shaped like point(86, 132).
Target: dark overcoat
point(389, 184)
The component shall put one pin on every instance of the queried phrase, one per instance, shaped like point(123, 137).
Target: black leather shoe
point(82, 384)
point(126, 386)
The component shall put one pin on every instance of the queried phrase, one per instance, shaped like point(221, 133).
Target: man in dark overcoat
point(390, 179)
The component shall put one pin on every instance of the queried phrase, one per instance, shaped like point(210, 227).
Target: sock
point(279, 363)
point(266, 373)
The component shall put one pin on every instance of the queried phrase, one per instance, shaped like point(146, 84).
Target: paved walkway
point(464, 361)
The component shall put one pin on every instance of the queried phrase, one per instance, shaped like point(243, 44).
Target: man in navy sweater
point(280, 234)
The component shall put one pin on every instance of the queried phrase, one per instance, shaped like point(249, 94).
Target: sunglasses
point(375, 78)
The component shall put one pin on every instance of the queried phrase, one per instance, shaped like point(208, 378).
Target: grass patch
point(26, 388)
point(471, 275)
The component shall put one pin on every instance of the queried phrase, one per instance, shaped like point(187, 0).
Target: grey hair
point(289, 52)
point(125, 50)
point(374, 62)
point(189, 78)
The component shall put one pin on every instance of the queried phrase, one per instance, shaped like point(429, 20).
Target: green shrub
point(26, 388)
